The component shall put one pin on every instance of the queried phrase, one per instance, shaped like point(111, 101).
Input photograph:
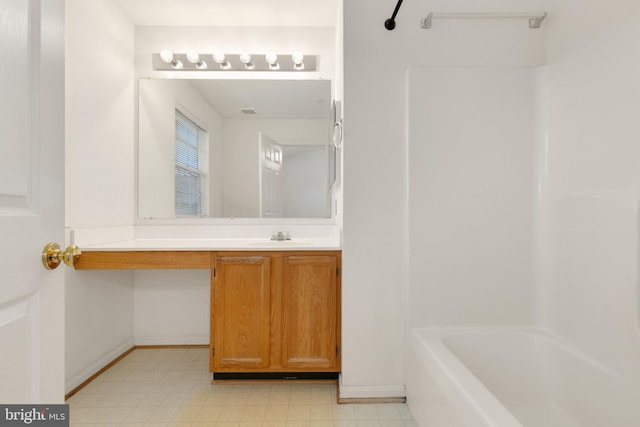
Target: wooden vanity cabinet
point(275, 312)
point(310, 312)
point(241, 311)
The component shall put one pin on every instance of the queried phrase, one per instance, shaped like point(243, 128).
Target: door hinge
point(337, 272)
point(337, 351)
point(214, 272)
point(213, 352)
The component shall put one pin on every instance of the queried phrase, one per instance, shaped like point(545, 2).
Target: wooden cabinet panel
point(241, 313)
point(309, 304)
point(275, 312)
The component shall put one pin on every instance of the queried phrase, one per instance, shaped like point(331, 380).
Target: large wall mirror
point(234, 148)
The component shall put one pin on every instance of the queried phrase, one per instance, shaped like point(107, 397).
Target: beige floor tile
point(258, 398)
point(365, 412)
point(153, 399)
point(215, 400)
point(172, 387)
point(209, 413)
point(96, 415)
point(131, 400)
point(232, 413)
point(300, 398)
point(404, 411)
point(344, 412)
point(254, 413)
point(296, 423)
point(299, 413)
point(392, 423)
point(238, 398)
point(321, 423)
point(140, 414)
point(279, 398)
point(321, 412)
point(176, 399)
point(186, 414)
point(388, 411)
point(322, 398)
point(163, 414)
point(277, 413)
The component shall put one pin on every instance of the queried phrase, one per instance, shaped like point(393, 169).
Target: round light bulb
point(193, 56)
point(218, 57)
point(166, 56)
point(297, 57)
point(245, 58)
point(271, 58)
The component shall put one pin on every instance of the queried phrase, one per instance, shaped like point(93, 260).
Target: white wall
point(99, 321)
point(241, 186)
point(376, 229)
point(99, 176)
point(471, 182)
point(573, 24)
point(306, 182)
point(99, 124)
point(157, 103)
point(591, 184)
point(172, 307)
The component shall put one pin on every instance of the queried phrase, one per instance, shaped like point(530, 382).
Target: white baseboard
point(172, 340)
point(78, 378)
point(371, 392)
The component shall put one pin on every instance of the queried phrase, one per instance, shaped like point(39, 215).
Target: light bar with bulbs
point(193, 60)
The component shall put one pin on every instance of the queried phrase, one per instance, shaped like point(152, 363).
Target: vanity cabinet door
point(241, 313)
point(310, 301)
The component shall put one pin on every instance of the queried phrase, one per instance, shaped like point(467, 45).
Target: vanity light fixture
point(245, 58)
point(244, 61)
point(167, 56)
point(194, 58)
point(297, 59)
point(272, 60)
point(220, 59)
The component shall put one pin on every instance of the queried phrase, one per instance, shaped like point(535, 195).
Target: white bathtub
point(512, 378)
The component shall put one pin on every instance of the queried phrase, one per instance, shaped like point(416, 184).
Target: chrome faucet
point(280, 235)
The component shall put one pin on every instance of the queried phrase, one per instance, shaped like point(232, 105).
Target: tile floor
point(172, 387)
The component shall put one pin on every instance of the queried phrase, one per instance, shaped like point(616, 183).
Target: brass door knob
point(52, 256)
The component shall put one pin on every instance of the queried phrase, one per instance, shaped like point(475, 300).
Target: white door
point(31, 200)
point(271, 168)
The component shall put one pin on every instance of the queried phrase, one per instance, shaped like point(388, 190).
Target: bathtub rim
point(465, 392)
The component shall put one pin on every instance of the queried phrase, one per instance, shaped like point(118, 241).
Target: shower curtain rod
point(535, 19)
point(390, 23)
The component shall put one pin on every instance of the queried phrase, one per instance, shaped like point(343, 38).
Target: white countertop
point(240, 244)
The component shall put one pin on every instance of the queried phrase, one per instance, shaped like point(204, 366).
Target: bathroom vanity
point(275, 307)
point(275, 312)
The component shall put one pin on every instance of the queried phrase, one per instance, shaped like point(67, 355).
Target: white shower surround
point(579, 270)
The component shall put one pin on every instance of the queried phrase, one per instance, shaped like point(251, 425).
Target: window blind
point(188, 176)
